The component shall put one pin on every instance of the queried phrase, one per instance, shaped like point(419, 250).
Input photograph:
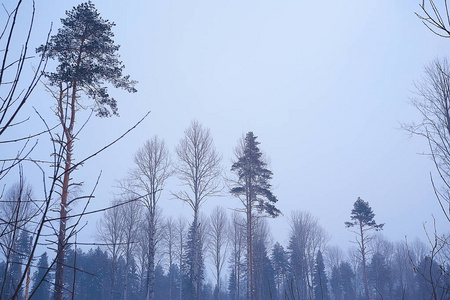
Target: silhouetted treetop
point(362, 214)
point(87, 57)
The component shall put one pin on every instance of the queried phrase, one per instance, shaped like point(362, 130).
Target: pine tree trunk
point(68, 139)
point(363, 253)
point(59, 275)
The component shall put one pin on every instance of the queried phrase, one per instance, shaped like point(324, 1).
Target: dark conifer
point(193, 248)
point(335, 283)
point(232, 285)
point(280, 265)
point(253, 188)
point(379, 274)
point(347, 281)
point(41, 286)
point(320, 279)
point(363, 218)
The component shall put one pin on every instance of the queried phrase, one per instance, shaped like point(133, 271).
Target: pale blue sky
point(323, 84)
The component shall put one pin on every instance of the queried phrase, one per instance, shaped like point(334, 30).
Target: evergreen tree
point(297, 266)
point(87, 58)
point(253, 188)
point(232, 285)
point(347, 281)
point(88, 274)
point(133, 280)
point(335, 283)
point(320, 279)
point(41, 286)
point(379, 275)
point(306, 237)
point(280, 266)
point(263, 271)
point(193, 266)
point(161, 283)
point(362, 217)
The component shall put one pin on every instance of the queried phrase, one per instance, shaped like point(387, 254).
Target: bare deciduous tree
point(132, 217)
point(436, 17)
point(181, 232)
point(333, 256)
point(433, 103)
point(305, 239)
point(238, 241)
point(147, 181)
point(15, 91)
point(170, 236)
point(218, 242)
point(199, 170)
point(111, 233)
point(16, 217)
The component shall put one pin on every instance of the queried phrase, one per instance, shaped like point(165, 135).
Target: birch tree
point(132, 216)
point(218, 243)
point(146, 181)
point(199, 170)
point(180, 248)
point(237, 238)
point(111, 233)
point(306, 237)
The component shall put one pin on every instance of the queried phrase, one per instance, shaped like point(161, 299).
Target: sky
point(325, 85)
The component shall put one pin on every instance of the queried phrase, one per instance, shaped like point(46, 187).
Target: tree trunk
point(218, 270)
point(59, 273)
point(250, 283)
point(170, 272)
point(127, 271)
point(151, 259)
point(363, 253)
point(195, 263)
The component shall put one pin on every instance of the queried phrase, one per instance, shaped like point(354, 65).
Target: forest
point(140, 252)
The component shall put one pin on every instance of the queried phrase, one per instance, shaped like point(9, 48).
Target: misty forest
point(136, 249)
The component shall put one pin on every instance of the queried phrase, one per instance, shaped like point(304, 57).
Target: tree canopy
point(87, 58)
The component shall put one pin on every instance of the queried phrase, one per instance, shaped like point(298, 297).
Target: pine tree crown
point(87, 57)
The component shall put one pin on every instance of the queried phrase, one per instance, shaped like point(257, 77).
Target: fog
point(325, 86)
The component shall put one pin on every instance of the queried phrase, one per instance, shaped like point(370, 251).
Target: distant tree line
point(140, 253)
point(306, 268)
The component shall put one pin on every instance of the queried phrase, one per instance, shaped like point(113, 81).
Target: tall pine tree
point(253, 188)
point(363, 219)
point(88, 58)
